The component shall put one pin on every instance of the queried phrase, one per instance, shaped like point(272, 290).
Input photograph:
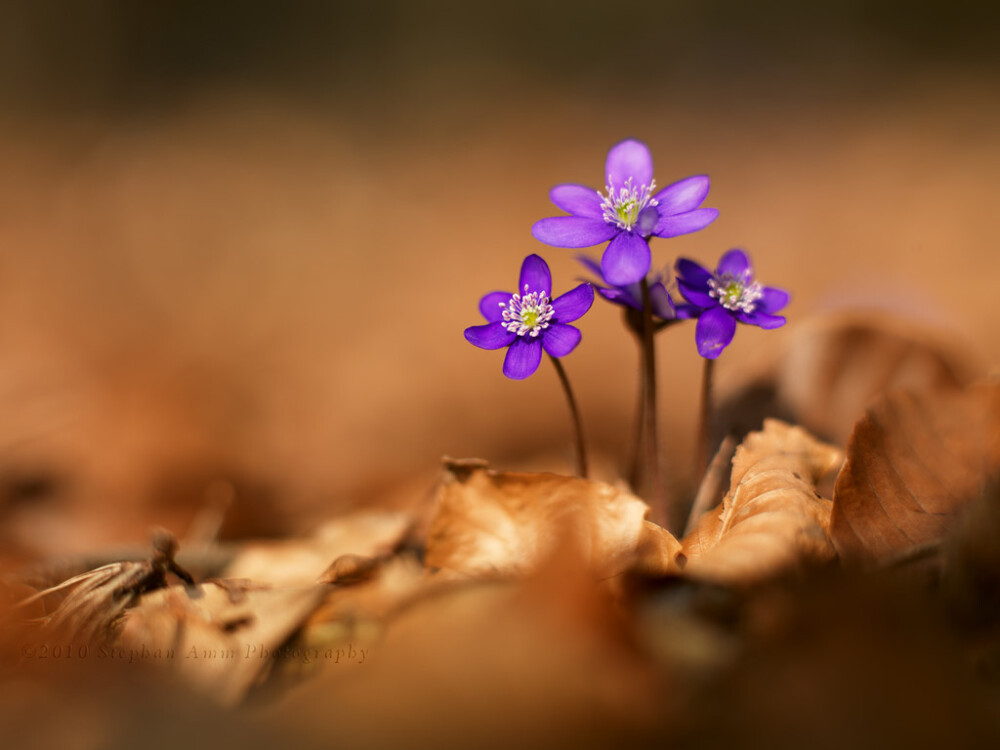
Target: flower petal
point(535, 276)
point(522, 358)
point(686, 311)
point(560, 339)
point(619, 297)
point(695, 295)
point(489, 336)
point(714, 331)
point(774, 299)
point(692, 273)
point(626, 259)
point(578, 200)
point(574, 303)
point(573, 231)
point(692, 221)
point(629, 158)
point(762, 319)
point(736, 263)
point(489, 305)
point(663, 305)
point(683, 196)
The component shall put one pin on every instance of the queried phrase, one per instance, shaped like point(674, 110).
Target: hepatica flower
point(628, 213)
point(728, 296)
point(527, 321)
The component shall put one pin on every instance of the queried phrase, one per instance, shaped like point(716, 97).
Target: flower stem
point(704, 420)
point(651, 453)
point(638, 436)
point(581, 451)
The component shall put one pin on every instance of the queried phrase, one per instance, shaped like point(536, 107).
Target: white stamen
point(736, 292)
point(623, 209)
point(529, 314)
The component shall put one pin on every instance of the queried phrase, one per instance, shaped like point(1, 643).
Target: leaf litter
point(543, 610)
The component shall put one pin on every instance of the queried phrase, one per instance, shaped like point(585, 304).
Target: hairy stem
point(654, 494)
point(704, 420)
point(581, 451)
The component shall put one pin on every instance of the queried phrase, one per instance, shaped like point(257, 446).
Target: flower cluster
point(629, 212)
point(626, 215)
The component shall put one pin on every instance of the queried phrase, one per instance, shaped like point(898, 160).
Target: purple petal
point(573, 231)
point(696, 295)
point(592, 265)
point(774, 299)
point(683, 196)
point(762, 319)
point(559, 339)
point(626, 259)
point(489, 305)
point(620, 297)
point(663, 306)
point(522, 358)
point(574, 303)
point(489, 336)
point(714, 331)
point(692, 221)
point(686, 312)
point(535, 276)
point(578, 200)
point(627, 159)
point(736, 263)
point(693, 273)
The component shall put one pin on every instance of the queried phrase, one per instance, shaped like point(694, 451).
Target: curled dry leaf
point(300, 562)
point(220, 639)
point(772, 517)
point(830, 368)
point(913, 463)
point(489, 522)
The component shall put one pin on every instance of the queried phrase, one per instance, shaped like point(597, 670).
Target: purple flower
point(526, 322)
point(729, 295)
point(627, 213)
point(630, 295)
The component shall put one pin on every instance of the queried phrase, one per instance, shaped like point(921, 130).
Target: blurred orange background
point(239, 241)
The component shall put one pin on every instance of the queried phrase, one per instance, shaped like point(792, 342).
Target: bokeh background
point(239, 241)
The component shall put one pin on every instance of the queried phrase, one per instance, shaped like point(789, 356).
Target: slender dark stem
point(651, 452)
point(638, 436)
point(704, 420)
point(581, 451)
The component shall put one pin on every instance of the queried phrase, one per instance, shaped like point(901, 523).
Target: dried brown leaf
point(300, 562)
point(832, 366)
point(546, 658)
point(220, 640)
point(489, 522)
point(771, 518)
point(913, 463)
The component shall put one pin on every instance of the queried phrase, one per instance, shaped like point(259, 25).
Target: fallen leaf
point(221, 639)
point(914, 462)
point(496, 523)
point(546, 660)
point(830, 368)
point(300, 562)
point(771, 518)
